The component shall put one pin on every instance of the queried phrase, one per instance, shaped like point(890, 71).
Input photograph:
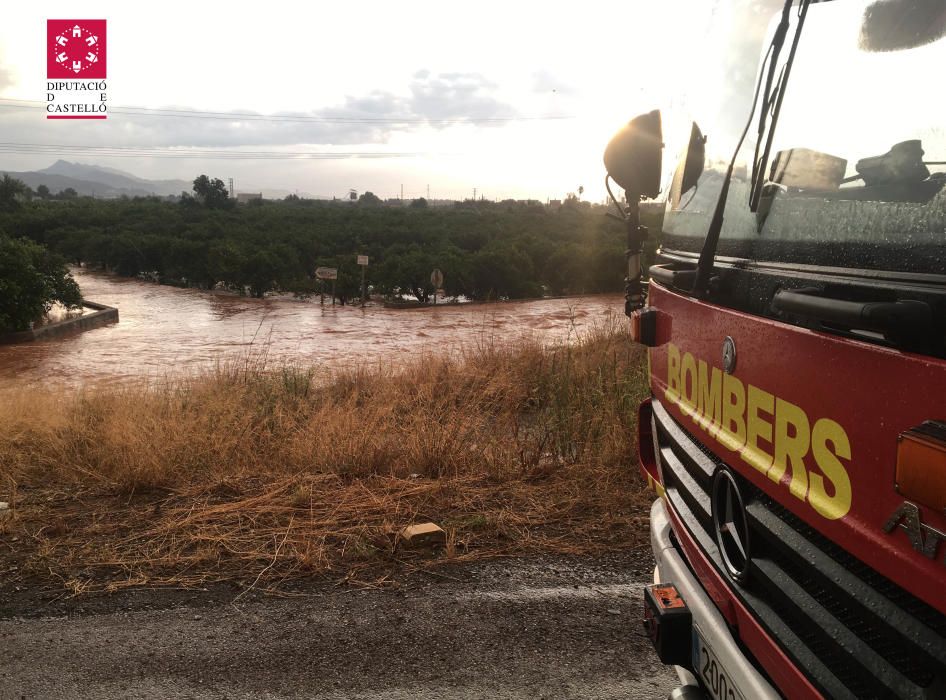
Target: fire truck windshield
point(856, 168)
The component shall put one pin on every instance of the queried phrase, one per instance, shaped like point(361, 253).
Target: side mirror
point(696, 158)
point(690, 168)
point(633, 156)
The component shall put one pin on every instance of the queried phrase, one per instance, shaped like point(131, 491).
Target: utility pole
point(428, 192)
point(474, 194)
point(402, 192)
point(231, 188)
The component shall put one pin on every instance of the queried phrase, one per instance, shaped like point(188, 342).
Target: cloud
point(456, 96)
point(544, 82)
point(429, 101)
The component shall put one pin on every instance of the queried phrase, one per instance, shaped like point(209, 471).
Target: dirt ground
point(534, 627)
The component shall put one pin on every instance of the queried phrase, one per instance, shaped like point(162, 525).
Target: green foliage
point(485, 250)
point(211, 193)
point(370, 199)
point(11, 190)
point(31, 280)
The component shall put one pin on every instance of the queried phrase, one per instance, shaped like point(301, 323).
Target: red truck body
point(872, 393)
point(796, 324)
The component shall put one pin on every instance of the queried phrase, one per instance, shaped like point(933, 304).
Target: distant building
point(555, 204)
point(245, 197)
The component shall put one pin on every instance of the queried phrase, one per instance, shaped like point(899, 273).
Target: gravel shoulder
point(537, 627)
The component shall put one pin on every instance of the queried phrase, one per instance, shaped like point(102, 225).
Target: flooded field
point(164, 330)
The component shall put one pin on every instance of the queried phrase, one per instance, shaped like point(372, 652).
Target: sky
point(515, 99)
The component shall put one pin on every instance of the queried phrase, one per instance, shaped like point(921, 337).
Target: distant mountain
point(100, 181)
point(116, 179)
point(94, 180)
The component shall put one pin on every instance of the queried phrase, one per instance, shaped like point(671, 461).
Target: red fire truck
point(796, 324)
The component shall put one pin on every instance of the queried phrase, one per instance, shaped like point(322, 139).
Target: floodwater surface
point(165, 330)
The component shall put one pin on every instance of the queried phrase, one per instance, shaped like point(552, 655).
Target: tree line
point(13, 190)
point(486, 250)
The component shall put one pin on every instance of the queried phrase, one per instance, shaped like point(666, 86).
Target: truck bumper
point(671, 568)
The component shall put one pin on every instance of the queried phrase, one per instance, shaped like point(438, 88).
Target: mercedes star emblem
point(730, 525)
point(729, 355)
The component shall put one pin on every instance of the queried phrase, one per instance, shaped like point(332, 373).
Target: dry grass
point(264, 475)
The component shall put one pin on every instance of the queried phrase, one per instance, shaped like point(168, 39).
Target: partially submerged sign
point(326, 273)
point(362, 259)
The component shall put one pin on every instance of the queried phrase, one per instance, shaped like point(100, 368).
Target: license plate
point(713, 676)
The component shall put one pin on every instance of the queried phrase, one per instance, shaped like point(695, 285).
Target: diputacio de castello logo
point(77, 48)
point(76, 69)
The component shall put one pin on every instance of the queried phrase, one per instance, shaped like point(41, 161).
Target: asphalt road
point(523, 628)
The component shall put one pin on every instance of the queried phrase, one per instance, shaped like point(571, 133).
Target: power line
point(194, 150)
point(190, 153)
point(12, 103)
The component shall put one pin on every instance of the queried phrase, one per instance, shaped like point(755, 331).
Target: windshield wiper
point(704, 268)
point(773, 107)
point(905, 322)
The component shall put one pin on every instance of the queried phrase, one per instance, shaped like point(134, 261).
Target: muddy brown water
point(165, 330)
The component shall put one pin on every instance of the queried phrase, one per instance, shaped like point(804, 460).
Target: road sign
point(326, 273)
point(436, 278)
point(363, 261)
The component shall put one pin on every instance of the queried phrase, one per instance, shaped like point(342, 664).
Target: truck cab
point(796, 323)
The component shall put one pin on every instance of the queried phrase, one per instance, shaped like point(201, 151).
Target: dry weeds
point(262, 475)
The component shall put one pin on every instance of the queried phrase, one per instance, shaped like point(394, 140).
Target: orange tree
point(31, 280)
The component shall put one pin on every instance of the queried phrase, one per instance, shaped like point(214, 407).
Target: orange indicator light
point(921, 465)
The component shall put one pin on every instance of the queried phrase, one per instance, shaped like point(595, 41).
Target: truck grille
point(853, 632)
